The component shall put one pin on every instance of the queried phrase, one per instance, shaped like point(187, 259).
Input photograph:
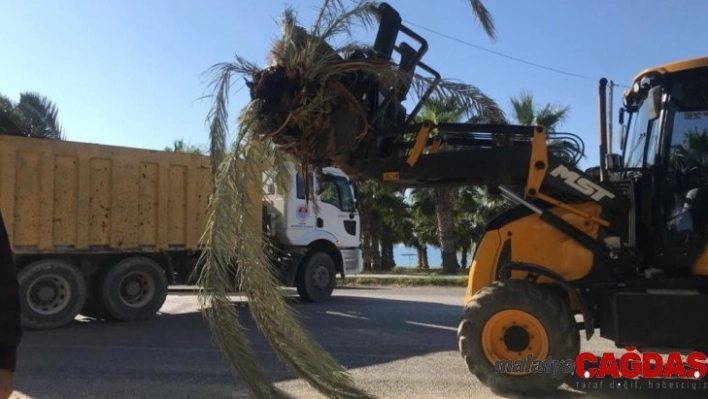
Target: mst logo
point(581, 184)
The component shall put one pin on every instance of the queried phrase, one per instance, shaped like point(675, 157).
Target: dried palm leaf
point(301, 112)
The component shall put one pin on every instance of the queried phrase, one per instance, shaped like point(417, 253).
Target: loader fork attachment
point(386, 109)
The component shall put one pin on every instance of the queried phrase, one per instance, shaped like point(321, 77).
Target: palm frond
point(218, 259)
point(524, 108)
point(467, 97)
point(231, 242)
point(335, 18)
point(484, 17)
point(38, 116)
point(8, 118)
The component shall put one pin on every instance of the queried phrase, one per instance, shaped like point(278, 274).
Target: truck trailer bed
point(59, 196)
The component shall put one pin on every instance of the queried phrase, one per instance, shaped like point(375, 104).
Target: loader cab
point(665, 160)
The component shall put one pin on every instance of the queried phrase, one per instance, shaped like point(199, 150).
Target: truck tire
point(133, 289)
point(316, 277)
point(52, 293)
point(509, 320)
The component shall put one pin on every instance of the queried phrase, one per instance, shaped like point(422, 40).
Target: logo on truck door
point(581, 184)
point(302, 212)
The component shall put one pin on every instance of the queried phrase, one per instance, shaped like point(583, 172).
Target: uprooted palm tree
point(34, 115)
point(302, 111)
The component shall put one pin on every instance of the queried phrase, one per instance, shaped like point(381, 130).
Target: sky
point(131, 72)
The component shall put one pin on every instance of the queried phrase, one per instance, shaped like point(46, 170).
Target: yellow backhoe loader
point(622, 246)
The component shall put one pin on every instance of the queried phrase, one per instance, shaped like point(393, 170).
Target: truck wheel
point(134, 289)
point(316, 277)
point(510, 320)
point(52, 293)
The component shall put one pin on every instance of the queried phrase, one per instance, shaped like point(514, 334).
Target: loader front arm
point(539, 164)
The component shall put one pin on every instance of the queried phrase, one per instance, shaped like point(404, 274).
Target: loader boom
point(401, 152)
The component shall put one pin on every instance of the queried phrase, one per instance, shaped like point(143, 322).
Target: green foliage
point(527, 112)
point(435, 281)
point(182, 146)
point(34, 115)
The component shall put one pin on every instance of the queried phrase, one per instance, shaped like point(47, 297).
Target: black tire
point(52, 293)
point(316, 277)
point(147, 285)
point(556, 322)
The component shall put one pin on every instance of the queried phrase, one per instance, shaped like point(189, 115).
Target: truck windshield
point(337, 191)
point(334, 190)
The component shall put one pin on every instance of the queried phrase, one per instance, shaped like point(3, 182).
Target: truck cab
point(315, 238)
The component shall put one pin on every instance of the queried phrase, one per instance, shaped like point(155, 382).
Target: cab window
point(336, 190)
point(301, 186)
point(636, 142)
point(689, 138)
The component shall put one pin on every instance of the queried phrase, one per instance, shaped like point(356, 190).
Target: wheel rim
point(136, 289)
point(514, 335)
point(49, 294)
point(320, 277)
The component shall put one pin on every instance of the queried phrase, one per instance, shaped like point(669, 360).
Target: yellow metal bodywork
point(420, 142)
point(700, 266)
point(668, 68)
point(535, 242)
point(539, 157)
point(672, 67)
point(59, 196)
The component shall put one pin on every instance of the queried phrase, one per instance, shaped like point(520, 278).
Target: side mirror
point(613, 161)
point(621, 116)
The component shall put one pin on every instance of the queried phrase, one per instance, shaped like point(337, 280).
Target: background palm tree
point(182, 146)
point(443, 198)
point(384, 220)
point(34, 115)
point(527, 112)
point(449, 236)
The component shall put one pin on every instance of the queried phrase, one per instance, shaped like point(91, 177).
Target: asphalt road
point(397, 342)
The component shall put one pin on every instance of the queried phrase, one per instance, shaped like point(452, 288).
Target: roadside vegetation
point(405, 281)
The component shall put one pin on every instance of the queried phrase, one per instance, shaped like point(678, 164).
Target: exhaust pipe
point(603, 129)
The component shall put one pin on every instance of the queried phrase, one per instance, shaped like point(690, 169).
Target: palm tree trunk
point(444, 208)
point(465, 252)
point(387, 260)
point(375, 248)
point(366, 243)
point(422, 257)
point(367, 252)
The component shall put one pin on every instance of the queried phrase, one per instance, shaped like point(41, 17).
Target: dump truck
point(103, 230)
